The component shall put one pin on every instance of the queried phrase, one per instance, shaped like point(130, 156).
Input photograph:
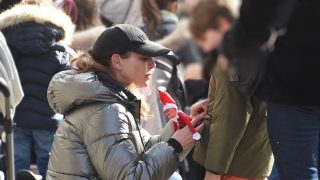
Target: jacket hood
point(23, 13)
point(68, 89)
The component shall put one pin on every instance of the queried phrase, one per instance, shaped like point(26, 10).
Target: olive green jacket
point(235, 139)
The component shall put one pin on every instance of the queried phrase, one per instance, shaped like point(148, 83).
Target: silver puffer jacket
point(100, 137)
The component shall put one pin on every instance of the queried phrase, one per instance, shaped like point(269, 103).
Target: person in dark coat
point(5, 4)
point(36, 35)
point(290, 29)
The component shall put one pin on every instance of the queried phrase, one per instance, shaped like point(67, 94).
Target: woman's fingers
point(200, 127)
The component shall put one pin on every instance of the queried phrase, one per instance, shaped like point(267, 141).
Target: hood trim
point(22, 13)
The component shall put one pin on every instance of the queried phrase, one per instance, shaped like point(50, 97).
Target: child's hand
point(199, 108)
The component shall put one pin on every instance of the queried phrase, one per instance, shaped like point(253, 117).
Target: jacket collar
point(129, 99)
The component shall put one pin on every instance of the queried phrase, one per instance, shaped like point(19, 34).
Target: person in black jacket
point(36, 34)
point(290, 29)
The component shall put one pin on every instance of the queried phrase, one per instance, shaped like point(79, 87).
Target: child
point(234, 143)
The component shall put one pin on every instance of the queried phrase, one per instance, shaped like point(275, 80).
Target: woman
point(100, 137)
point(159, 18)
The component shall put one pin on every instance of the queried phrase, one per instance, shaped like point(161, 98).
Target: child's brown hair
point(206, 16)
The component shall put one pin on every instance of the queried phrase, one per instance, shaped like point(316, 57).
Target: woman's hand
point(199, 108)
point(184, 135)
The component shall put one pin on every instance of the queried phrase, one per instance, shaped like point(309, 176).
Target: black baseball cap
point(121, 38)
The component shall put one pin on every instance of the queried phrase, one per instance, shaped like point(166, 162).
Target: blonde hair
point(85, 61)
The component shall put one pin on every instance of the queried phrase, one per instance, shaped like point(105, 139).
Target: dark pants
point(274, 174)
point(294, 138)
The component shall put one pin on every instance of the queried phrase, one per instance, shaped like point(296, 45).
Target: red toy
point(178, 117)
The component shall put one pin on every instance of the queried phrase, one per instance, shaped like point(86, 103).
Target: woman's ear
point(116, 62)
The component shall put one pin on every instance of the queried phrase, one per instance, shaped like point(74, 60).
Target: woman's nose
point(151, 63)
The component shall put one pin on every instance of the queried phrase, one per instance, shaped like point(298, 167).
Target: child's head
point(208, 23)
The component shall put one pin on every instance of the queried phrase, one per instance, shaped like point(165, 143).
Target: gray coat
point(99, 138)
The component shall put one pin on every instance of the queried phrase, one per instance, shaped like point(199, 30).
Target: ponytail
point(84, 62)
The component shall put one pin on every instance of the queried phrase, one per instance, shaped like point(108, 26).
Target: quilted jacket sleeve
point(112, 147)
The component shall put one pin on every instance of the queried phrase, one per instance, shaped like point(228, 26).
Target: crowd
point(244, 71)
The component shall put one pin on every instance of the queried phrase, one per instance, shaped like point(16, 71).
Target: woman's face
point(137, 69)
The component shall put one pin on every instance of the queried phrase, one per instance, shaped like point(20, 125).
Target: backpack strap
point(166, 67)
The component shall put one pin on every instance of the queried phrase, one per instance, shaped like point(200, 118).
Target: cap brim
point(151, 49)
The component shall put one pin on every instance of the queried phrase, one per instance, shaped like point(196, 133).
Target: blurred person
point(85, 14)
point(100, 137)
point(37, 35)
point(159, 17)
point(289, 32)
point(97, 15)
point(120, 11)
point(134, 15)
point(181, 34)
point(191, 57)
point(160, 21)
point(207, 28)
point(235, 142)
